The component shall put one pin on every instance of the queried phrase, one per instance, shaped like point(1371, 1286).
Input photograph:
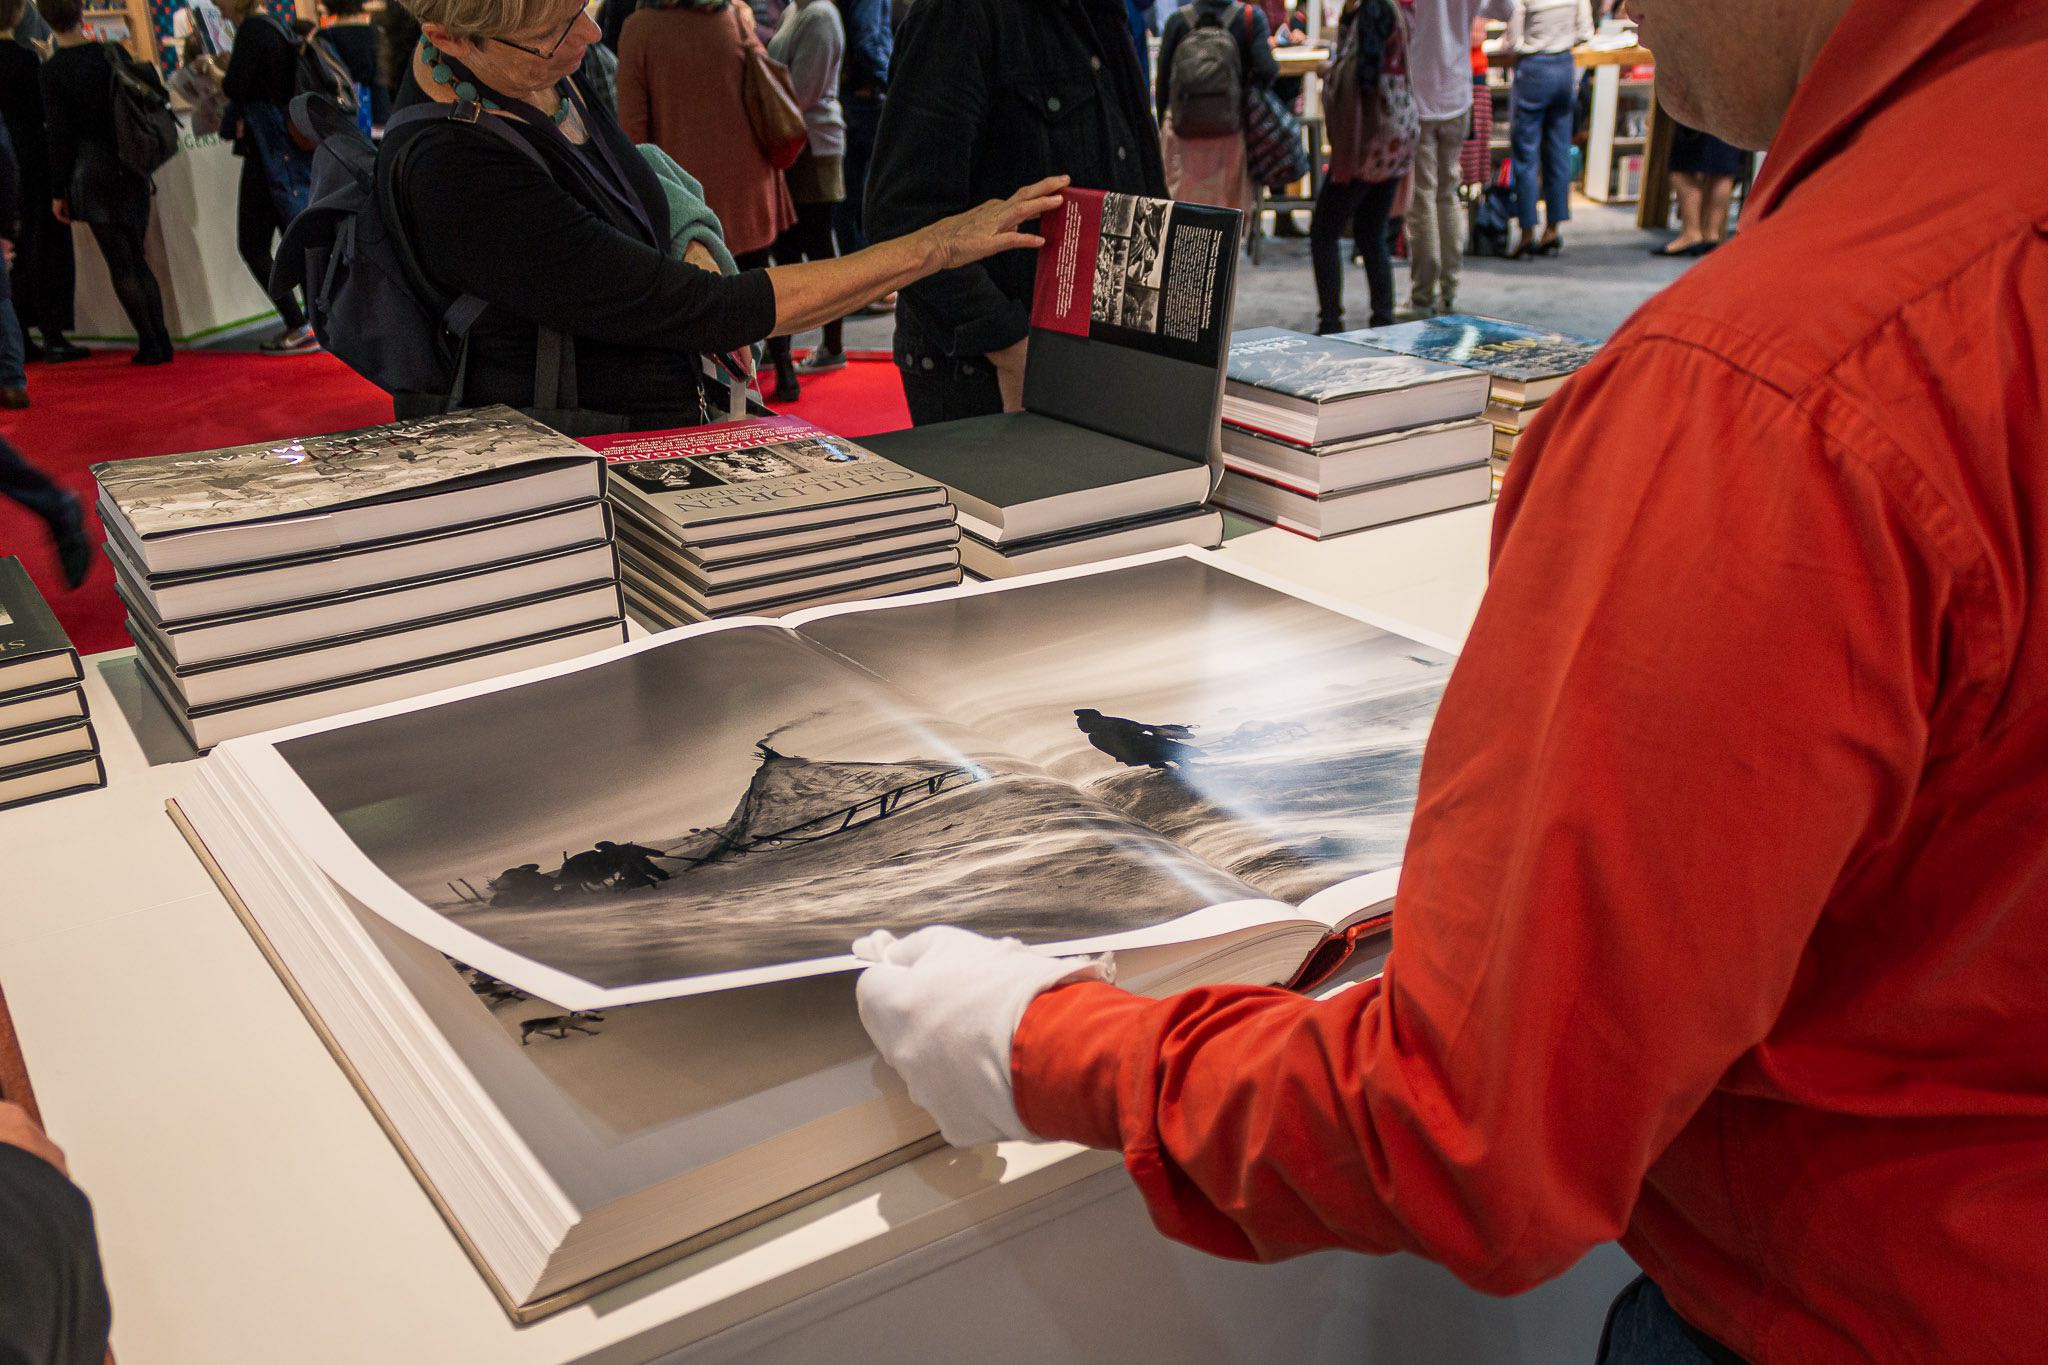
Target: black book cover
point(28, 631)
point(91, 774)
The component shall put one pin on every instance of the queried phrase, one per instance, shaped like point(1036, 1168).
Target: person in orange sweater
point(1723, 926)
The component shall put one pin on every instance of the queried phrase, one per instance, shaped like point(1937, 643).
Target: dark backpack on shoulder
point(318, 69)
point(1205, 85)
point(369, 301)
point(145, 130)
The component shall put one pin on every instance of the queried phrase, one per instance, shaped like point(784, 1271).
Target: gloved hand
point(942, 1006)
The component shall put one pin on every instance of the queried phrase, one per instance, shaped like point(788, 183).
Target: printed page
point(1276, 737)
point(709, 809)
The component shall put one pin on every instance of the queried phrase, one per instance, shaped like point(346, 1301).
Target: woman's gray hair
point(485, 18)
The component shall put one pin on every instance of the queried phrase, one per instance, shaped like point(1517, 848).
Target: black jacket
point(1254, 45)
point(986, 97)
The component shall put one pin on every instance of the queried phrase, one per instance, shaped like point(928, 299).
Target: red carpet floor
point(106, 409)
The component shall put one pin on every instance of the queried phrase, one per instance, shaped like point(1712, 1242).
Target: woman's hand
point(983, 231)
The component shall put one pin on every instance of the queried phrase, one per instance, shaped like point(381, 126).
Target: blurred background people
point(1440, 71)
point(1372, 126)
point(44, 273)
point(1703, 174)
point(261, 78)
point(1539, 41)
point(1204, 153)
point(88, 182)
point(354, 40)
point(811, 42)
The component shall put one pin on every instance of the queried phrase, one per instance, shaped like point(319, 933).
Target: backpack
point(369, 301)
point(1493, 213)
point(145, 130)
point(1205, 85)
point(1368, 105)
point(319, 69)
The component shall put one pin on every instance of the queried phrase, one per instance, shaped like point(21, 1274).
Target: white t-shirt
point(1440, 53)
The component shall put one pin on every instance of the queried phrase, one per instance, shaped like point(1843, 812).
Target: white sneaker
point(292, 342)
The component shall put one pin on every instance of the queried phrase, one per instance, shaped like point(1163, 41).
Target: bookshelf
point(1618, 133)
point(126, 22)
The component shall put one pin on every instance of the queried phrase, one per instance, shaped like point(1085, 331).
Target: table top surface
point(244, 1193)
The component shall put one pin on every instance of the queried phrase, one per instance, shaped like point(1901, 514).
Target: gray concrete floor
point(1603, 275)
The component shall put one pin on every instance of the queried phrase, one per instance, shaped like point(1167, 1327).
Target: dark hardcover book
point(1316, 390)
point(935, 536)
point(1201, 527)
point(247, 503)
point(1354, 509)
point(41, 743)
point(1354, 464)
point(661, 602)
point(27, 710)
point(700, 486)
point(35, 653)
point(1527, 364)
point(51, 778)
point(1123, 384)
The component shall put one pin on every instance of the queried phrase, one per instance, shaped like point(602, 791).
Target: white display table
point(250, 1209)
point(191, 247)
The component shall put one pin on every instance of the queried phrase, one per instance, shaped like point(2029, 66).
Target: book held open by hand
point(502, 902)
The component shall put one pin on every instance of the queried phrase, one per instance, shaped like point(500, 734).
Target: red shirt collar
point(1876, 43)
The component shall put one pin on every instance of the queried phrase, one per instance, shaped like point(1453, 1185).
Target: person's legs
point(1336, 202)
point(1718, 196)
point(256, 224)
point(942, 390)
point(1423, 224)
point(50, 279)
point(38, 492)
point(1448, 210)
point(1525, 140)
point(863, 116)
point(13, 378)
point(135, 286)
point(1376, 206)
point(817, 241)
point(1557, 151)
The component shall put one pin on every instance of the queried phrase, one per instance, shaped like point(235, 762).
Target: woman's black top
point(78, 109)
point(21, 105)
point(54, 1306)
point(356, 45)
point(553, 247)
point(264, 64)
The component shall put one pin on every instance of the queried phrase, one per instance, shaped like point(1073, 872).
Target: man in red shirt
point(1723, 928)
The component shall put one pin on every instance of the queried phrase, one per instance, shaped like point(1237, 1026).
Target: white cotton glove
point(942, 1006)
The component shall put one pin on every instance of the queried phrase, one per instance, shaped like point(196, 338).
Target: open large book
point(1169, 756)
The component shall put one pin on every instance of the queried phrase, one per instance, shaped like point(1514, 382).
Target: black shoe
point(13, 398)
point(57, 350)
point(32, 352)
point(1550, 246)
point(74, 549)
point(152, 358)
point(786, 388)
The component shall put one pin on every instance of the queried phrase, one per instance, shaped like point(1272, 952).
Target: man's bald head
point(1730, 67)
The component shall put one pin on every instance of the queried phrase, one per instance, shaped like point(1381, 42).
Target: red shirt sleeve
point(1694, 697)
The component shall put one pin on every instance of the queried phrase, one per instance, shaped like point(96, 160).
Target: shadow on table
point(156, 733)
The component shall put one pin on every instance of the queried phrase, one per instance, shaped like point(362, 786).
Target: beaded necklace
point(445, 72)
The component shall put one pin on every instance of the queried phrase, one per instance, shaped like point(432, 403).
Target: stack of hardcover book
point(47, 744)
point(1323, 436)
point(1525, 364)
point(767, 516)
point(1113, 452)
point(280, 582)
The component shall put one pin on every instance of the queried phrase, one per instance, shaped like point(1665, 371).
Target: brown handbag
point(770, 98)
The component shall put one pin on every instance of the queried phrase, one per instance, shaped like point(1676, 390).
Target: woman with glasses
point(574, 237)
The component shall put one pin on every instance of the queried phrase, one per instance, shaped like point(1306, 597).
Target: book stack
point(280, 582)
point(1525, 364)
point(1323, 436)
point(767, 516)
point(1113, 452)
point(47, 744)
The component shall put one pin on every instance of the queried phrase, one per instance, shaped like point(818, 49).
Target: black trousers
point(45, 271)
point(256, 223)
point(134, 285)
point(810, 238)
point(1340, 205)
point(31, 487)
point(941, 389)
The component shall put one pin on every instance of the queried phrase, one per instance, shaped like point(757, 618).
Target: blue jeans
point(12, 352)
point(1546, 92)
point(1644, 1329)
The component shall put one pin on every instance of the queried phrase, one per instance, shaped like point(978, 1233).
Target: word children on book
point(1526, 365)
point(47, 744)
point(650, 865)
point(1323, 436)
point(769, 515)
point(275, 582)
point(1111, 454)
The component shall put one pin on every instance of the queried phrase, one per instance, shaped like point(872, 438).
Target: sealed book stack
point(1323, 436)
point(1114, 451)
point(1525, 364)
point(47, 744)
point(768, 516)
point(275, 583)
point(596, 981)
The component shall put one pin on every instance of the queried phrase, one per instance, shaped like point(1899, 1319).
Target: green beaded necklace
point(443, 72)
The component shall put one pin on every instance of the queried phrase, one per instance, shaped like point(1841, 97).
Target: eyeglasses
point(552, 48)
